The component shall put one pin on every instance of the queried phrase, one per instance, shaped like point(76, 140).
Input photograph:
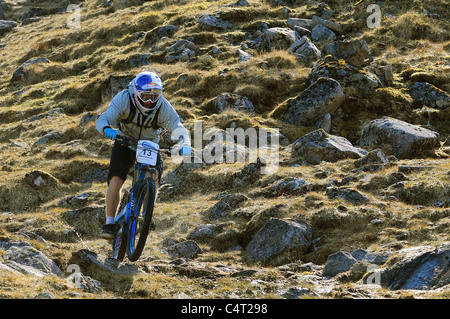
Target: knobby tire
point(120, 244)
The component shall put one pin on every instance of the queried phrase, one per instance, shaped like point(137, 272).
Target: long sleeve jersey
point(140, 126)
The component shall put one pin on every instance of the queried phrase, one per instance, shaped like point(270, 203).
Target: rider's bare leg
point(113, 196)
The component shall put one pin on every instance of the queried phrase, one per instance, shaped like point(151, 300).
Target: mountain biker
point(140, 112)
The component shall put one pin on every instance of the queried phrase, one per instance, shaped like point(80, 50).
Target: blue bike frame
point(127, 216)
point(128, 211)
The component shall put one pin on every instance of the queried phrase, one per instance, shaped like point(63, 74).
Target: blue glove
point(110, 133)
point(186, 150)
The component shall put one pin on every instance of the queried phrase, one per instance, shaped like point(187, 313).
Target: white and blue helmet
point(147, 89)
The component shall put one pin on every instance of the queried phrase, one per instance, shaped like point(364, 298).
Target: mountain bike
point(136, 208)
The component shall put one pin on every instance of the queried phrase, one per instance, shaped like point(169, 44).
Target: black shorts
point(123, 159)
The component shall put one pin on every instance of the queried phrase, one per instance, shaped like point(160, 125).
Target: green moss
point(389, 95)
point(280, 109)
point(335, 68)
point(331, 62)
point(406, 74)
point(205, 37)
point(204, 62)
point(433, 78)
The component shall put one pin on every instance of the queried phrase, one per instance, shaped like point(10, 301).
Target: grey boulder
point(323, 96)
point(6, 26)
point(419, 268)
point(427, 94)
point(318, 146)
point(278, 241)
point(403, 139)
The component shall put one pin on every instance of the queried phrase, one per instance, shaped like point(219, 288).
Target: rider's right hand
point(110, 133)
point(185, 151)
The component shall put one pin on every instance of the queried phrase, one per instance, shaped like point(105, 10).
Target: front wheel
point(141, 218)
point(120, 240)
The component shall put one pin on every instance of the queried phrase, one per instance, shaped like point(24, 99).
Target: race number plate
point(147, 152)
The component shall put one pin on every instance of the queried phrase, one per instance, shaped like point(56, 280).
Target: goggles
point(151, 95)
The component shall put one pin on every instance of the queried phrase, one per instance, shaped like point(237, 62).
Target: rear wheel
point(141, 218)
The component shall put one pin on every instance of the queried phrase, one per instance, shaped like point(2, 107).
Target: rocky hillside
point(356, 207)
